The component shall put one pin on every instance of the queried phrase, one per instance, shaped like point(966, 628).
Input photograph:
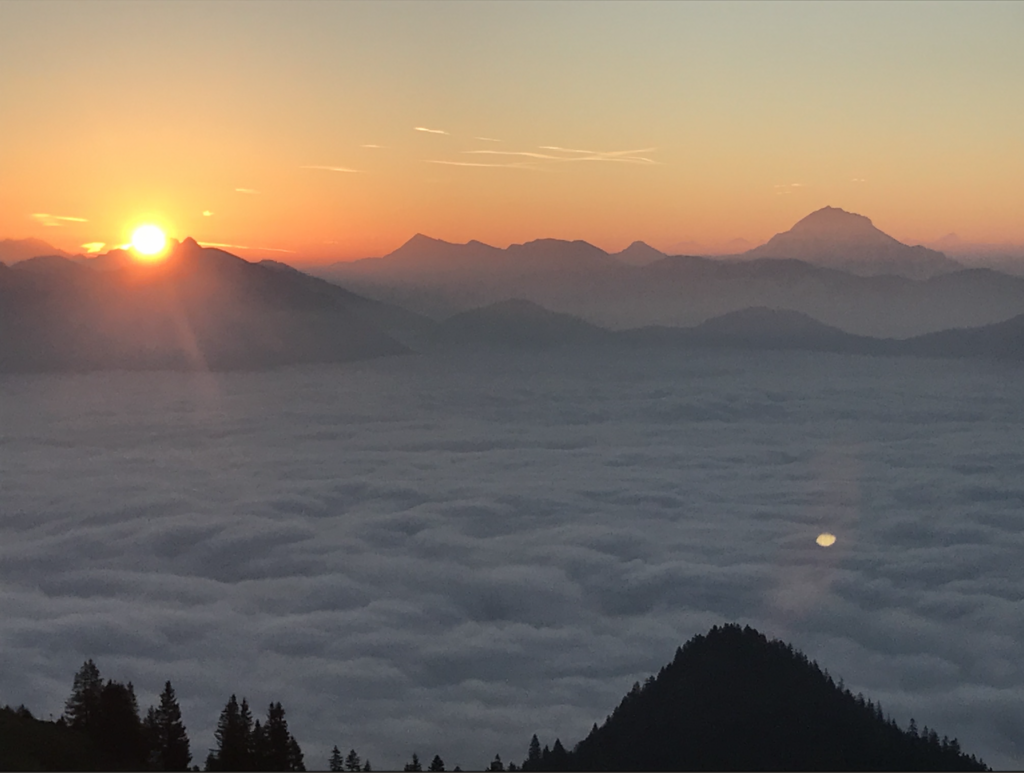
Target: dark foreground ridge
point(729, 700)
point(734, 700)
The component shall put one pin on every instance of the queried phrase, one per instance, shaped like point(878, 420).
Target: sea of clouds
point(449, 554)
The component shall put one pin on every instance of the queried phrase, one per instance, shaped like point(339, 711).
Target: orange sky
point(231, 122)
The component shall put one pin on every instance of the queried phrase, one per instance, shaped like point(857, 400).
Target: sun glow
point(826, 540)
point(149, 242)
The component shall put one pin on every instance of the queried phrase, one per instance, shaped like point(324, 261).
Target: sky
point(324, 131)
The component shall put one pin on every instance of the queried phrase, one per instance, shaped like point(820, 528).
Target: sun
point(149, 241)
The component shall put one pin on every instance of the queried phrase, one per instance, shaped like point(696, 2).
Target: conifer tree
point(436, 764)
point(352, 761)
point(367, 768)
point(166, 734)
point(258, 748)
point(414, 766)
point(496, 765)
point(335, 763)
point(81, 711)
point(533, 755)
point(118, 732)
point(295, 756)
point(278, 737)
point(234, 738)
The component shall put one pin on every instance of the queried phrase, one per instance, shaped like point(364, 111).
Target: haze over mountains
point(208, 309)
point(834, 238)
point(898, 291)
point(199, 309)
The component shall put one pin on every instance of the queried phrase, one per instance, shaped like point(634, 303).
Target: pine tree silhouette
point(412, 767)
point(81, 711)
point(436, 764)
point(167, 737)
point(335, 764)
point(352, 761)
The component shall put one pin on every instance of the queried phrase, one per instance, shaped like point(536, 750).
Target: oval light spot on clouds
point(825, 539)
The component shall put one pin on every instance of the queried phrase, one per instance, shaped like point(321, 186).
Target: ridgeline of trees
point(730, 700)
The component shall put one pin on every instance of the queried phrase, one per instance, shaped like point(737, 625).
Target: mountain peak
point(835, 238)
point(639, 254)
point(833, 220)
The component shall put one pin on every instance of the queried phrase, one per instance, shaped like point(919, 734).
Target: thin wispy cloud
point(858, 180)
point(375, 147)
point(487, 139)
point(246, 190)
point(429, 131)
point(55, 221)
point(333, 168)
point(93, 247)
point(782, 188)
point(243, 247)
point(620, 156)
point(472, 163)
point(513, 153)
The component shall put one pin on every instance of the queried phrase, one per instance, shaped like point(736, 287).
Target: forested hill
point(730, 700)
point(733, 700)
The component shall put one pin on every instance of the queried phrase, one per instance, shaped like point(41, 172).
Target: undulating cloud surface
point(448, 556)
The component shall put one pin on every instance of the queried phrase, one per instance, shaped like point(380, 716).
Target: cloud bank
point(448, 556)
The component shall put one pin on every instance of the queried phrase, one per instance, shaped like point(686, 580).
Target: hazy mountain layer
point(835, 238)
point(519, 323)
point(199, 309)
point(630, 290)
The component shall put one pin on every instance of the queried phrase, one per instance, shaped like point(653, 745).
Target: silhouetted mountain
point(516, 323)
point(762, 328)
point(638, 254)
point(16, 250)
point(733, 700)
point(198, 309)
point(1002, 340)
point(835, 238)
point(440, 279)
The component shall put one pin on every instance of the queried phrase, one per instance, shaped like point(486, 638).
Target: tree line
point(729, 700)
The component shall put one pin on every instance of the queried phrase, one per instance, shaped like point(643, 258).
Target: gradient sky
point(730, 120)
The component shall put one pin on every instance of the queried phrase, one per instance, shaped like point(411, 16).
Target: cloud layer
point(448, 556)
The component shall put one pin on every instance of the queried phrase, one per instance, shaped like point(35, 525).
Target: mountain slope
point(733, 700)
point(16, 250)
point(835, 238)
point(516, 323)
point(199, 309)
point(676, 291)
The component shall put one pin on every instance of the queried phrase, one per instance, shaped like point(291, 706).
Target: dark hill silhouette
point(517, 323)
point(198, 309)
point(835, 238)
point(734, 700)
point(1002, 340)
point(523, 324)
point(27, 743)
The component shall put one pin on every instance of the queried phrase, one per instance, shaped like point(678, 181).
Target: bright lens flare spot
point(148, 240)
point(826, 540)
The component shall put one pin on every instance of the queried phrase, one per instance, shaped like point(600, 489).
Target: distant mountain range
point(199, 309)
point(208, 309)
point(639, 286)
point(522, 324)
